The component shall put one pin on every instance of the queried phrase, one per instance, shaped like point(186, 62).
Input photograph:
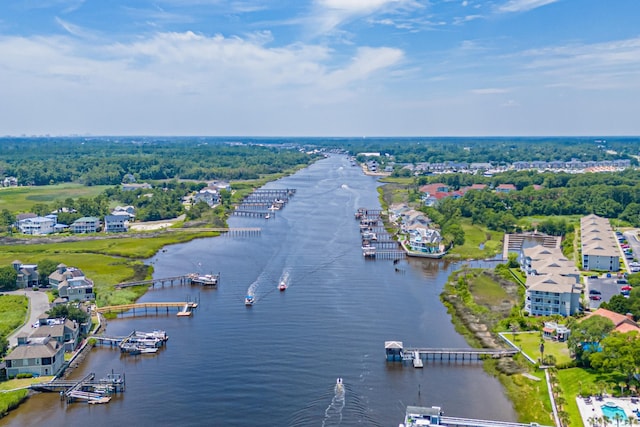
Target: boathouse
point(393, 351)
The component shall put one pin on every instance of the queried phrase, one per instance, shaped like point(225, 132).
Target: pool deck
point(591, 407)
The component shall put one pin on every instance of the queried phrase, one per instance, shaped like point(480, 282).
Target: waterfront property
point(40, 356)
point(420, 416)
point(86, 224)
point(71, 284)
point(615, 409)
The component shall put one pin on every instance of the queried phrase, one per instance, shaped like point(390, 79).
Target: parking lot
point(606, 286)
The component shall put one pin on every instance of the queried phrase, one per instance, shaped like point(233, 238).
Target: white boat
point(282, 286)
point(148, 350)
point(369, 251)
point(416, 416)
point(267, 216)
point(249, 300)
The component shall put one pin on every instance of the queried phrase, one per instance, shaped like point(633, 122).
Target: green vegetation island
point(473, 191)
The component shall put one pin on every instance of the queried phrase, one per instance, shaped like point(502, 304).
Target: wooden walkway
point(457, 353)
point(179, 280)
point(149, 306)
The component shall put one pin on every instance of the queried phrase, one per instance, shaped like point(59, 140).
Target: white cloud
point(523, 5)
point(331, 14)
point(489, 91)
point(613, 64)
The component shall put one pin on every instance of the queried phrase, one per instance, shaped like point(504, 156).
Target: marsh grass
point(13, 310)
point(22, 199)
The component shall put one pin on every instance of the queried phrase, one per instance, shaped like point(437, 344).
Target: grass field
point(22, 199)
point(480, 243)
point(105, 261)
point(530, 343)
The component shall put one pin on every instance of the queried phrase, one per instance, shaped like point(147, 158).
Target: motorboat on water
point(282, 286)
point(249, 300)
point(339, 385)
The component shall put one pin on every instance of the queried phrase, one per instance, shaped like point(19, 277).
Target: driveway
point(38, 304)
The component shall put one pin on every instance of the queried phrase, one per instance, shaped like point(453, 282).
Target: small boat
point(282, 286)
point(249, 300)
point(267, 216)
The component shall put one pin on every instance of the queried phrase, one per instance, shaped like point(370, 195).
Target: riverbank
point(479, 302)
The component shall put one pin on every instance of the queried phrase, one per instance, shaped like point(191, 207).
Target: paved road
point(38, 304)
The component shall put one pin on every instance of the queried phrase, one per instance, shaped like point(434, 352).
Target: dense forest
point(106, 161)
point(497, 151)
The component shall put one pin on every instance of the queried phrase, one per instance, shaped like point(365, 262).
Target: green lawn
point(22, 199)
point(578, 381)
point(530, 343)
point(480, 242)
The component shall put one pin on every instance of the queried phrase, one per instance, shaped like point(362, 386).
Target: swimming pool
point(610, 412)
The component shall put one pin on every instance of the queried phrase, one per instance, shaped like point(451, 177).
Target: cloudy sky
point(320, 67)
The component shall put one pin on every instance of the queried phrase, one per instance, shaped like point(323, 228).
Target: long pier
point(396, 352)
point(186, 279)
point(149, 306)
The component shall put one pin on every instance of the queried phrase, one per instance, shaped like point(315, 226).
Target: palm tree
point(633, 389)
point(622, 386)
point(605, 420)
point(632, 420)
point(617, 418)
point(593, 421)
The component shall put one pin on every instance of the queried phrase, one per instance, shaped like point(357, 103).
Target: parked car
point(626, 288)
point(595, 297)
point(594, 292)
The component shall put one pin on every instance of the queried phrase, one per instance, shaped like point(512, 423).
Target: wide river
point(276, 363)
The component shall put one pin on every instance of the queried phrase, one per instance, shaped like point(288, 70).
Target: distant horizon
point(596, 137)
point(304, 68)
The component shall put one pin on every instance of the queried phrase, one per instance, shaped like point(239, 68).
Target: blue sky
point(320, 67)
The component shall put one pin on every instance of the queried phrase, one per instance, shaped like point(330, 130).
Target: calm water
point(276, 363)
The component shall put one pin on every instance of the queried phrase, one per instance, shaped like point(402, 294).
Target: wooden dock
point(86, 389)
point(396, 352)
point(146, 307)
point(186, 279)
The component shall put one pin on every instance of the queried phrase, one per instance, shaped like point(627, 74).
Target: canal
point(276, 363)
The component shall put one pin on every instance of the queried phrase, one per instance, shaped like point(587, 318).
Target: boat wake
point(333, 413)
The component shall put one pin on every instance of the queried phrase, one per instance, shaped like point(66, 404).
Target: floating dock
point(420, 416)
point(149, 308)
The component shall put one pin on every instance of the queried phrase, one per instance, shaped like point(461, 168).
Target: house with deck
point(28, 275)
point(39, 356)
point(86, 224)
point(72, 284)
point(115, 223)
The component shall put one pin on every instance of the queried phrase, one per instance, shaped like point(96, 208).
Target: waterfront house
point(40, 356)
point(209, 195)
point(555, 332)
point(86, 224)
point(551, 294)
point(28, 275)
point(115, 223)
point(65, 331)
point(71, 284)
point(36, 225)
point(425, 240)
point(599, 248)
